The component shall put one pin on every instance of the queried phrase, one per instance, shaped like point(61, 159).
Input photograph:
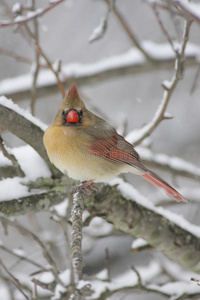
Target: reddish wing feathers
point(116, 148)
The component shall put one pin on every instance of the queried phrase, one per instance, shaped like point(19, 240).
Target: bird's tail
point(160, 183)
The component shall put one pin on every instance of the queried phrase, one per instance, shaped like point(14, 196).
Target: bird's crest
point(73, 92)
point(72, 100)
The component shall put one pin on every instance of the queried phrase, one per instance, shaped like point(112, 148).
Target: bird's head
point(72, 111)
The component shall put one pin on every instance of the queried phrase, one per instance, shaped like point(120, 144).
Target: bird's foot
point(88, 186)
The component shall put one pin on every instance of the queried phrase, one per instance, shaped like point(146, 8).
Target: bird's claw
point(88, 186)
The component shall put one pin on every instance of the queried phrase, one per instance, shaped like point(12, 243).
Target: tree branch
point(31, 204)
point(139, 221)
point(30, 235)
point(187, 9)
point(25, 19)
point(33, 135)
point(76, 244)
point(136, 220)
point(175, 165)
point(12, 158)
point(126, 28)
point(84, 74)
point(169, 87)
point(14, 280)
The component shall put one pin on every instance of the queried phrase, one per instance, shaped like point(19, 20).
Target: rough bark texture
point(138, 221)
point(31, 204)
point(126, 216)
point(76, 244)
point(8, 171)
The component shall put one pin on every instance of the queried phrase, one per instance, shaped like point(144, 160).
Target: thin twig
point(41, 52)
point(23, 258)
point(15, 56)
point(165, 32)
point(32, 236)
point(15, 281)
point(36, 64)
point(126, 28)
point(184, 8)
point(168, 90)
point(60, 85)
point(37, 14)
point(194, 85)
point(76, 244)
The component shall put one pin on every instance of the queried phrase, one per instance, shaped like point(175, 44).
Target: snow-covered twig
point(169, 87)
point(24, 19)
point(175, 165)
point(189, 9)
point(100, 30)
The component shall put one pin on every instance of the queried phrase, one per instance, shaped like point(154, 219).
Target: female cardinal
point(87, 148)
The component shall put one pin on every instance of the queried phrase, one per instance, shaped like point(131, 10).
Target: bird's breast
point(68, 150)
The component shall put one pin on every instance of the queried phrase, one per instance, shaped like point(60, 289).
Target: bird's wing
point(107, 143)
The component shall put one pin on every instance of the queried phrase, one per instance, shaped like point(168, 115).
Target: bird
point(87, 148)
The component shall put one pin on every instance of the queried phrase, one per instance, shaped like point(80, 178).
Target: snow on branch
point(30, 15)
point(100, 30)
point(174, 165)
point(188, 9)
point(133, 214)
point(139, 135)
point(138, 279)
point(175, 237)
point(130, 62)
point(15, 120)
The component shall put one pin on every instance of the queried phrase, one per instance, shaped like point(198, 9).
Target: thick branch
point(139, 221)
point(26, 131)
point(136, 220)
point(31, 204)
point(8, 171)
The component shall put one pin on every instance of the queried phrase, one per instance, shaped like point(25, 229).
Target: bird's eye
point(63, 112)
point(80, 113)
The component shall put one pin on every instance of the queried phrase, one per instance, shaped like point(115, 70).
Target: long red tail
point(160, 183)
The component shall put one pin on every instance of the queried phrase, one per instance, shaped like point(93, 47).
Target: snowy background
point(64, 35)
